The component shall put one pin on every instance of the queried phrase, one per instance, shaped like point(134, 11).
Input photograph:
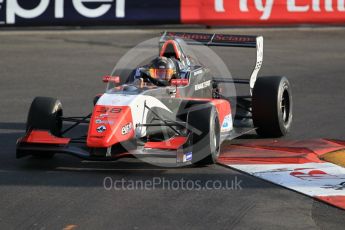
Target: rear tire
point(206, 143)
point(45, 114)
point(272, 106)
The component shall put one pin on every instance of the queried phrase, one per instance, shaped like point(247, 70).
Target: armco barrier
point(207, 12)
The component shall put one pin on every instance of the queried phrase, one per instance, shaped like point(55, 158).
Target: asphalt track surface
point(66, 192)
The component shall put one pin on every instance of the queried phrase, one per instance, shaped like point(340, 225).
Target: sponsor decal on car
point(101, 129)
point(182, 157)
point(104, 110)
point(101, 116)
point(99, 121)
point(115, 110)
point(227, 123)
point(197, 72)
point(126, 129)
point(202, 85)
point(188, 156)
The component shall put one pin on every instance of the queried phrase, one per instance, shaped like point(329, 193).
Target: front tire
point(45, 114)
point(204, 120)
point(272, 106)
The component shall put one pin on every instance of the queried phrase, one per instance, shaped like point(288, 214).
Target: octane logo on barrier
point(14, 8)
point(282, 11)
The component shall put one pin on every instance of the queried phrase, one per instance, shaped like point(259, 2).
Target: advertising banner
point(264, 12)
point(88, 12)
point(204, 12)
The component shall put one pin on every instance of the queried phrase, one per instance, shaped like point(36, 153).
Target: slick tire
point(45, 114)
point(272, 106)
point(203, 121)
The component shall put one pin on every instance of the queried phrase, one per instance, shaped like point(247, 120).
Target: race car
point(177, 113)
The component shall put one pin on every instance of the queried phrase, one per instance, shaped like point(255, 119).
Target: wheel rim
point(212, 133)
point(215, 142)
point(285, 107)
point(214, 137)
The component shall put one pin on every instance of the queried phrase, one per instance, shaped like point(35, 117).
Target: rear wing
point(226, 41)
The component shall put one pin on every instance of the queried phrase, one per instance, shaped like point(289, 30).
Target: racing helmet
point(162, 69)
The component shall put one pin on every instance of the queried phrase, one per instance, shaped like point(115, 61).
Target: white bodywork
point(259, 60)
point(137, 105)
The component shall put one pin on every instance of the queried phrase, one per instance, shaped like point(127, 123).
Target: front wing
point(44, 143)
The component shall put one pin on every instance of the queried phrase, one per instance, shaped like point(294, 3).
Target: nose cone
point(110, 125)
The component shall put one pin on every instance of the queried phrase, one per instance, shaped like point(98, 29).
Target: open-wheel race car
point(172, 108)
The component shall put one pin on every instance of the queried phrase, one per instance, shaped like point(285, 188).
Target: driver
point(159, 72)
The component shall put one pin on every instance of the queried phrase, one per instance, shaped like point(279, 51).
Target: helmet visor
point(164, 74)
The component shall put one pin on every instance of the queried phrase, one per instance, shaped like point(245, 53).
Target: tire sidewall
point(284, 126)
point(206, 147)
point(44, 114)
point(214, 135)
point(266, 106)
